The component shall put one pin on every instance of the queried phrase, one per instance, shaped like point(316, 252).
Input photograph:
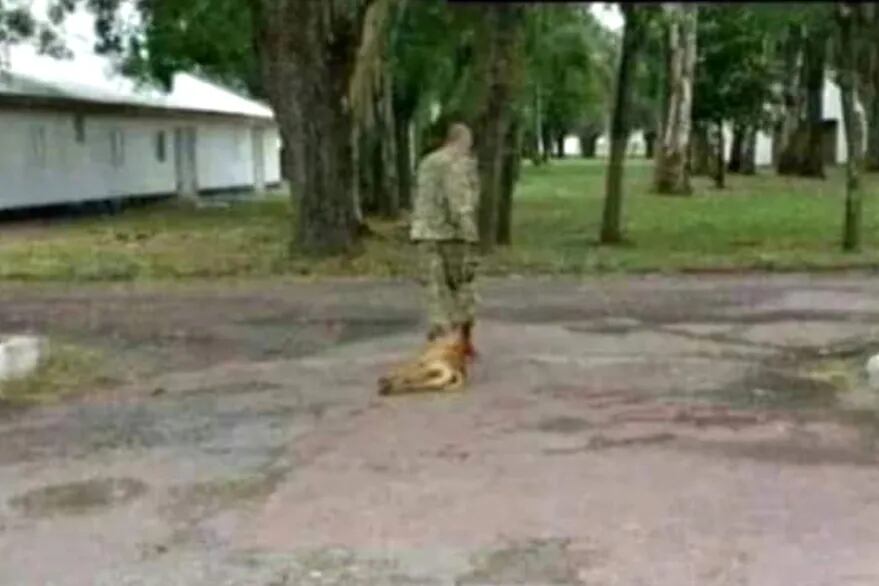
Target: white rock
point(873, 371)
point(20, 355)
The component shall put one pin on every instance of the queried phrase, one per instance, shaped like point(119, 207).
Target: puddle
point(77, 497)
point(564, 425)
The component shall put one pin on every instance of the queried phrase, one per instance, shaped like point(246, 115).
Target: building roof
point(93, 79)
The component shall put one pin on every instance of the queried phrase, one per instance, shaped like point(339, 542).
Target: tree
point(307, 52)
point(18, 24)
point(814, 64)
point(671, 173)
point(510, 168)
point(633, 31)
point(848, 32)
point(500, 62)
point(869, 81)
point(649, 94)
point(569, 58)
point(800, 149)
point(302, 53)
point(734, 79)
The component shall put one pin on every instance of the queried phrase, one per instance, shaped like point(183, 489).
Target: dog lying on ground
point(441, 367)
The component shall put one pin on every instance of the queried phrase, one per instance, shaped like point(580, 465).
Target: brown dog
point(441, 366)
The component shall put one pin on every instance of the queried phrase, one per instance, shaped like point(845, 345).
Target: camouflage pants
point(448, 270)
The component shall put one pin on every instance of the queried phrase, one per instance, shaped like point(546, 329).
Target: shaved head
point(459, 137)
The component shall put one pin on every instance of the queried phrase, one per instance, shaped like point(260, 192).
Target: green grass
point(763, 222)
point(67, 369)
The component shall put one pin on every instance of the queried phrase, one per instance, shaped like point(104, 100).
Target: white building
point(73, 131)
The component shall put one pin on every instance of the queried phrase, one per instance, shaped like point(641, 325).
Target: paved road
point(654, 431)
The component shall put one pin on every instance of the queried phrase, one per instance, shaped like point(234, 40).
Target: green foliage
point(570, 62)
point(19, 24)
point(213, 38)
point(423, 53)
point(735, 74)
point(650, 75)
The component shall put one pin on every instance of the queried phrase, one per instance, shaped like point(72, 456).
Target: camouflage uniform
point(445, 227)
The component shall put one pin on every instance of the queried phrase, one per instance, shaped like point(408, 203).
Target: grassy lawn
point(762, 222)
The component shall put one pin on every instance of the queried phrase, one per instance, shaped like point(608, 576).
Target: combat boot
point(467, 331)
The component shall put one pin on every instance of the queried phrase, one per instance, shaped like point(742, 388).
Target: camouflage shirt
point(446, 197)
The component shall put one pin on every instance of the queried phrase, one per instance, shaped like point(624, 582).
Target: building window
point(117, 147)
point(79, 128)
point(38, 145)
point(160, 146)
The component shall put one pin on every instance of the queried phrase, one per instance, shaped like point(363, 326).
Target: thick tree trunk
point(588, 145)
point(700, 147)
point(545, 144)
point(365, 170)
point(873, 132)
point(737, 148)
point(501, 60)
point(530, 148)
point(633, 32)
point(560, 146)
point(789, 140)
point(649, 144)
point(853, 220)
point(509, 178)
point(670, 171)
point(719, 164)
point(749, 151)
point(309, 75)
point(539, 145)
point(387, 147)
point(871, 105)
point(405, 172)
point(812, 163)
point(357, 183)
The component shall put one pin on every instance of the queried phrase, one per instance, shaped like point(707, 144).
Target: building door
point(185, 161)
point(259, 159)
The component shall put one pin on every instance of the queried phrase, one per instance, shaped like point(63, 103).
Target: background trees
point(734, 82)
point(363, 88)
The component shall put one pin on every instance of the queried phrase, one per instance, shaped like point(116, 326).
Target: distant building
point(73, 131)
point(835, 149)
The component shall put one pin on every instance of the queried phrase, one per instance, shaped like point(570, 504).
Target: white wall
point(224, 156)
point(42, 163)
point(272, 149)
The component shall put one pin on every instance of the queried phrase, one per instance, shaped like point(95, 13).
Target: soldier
point(444, 226)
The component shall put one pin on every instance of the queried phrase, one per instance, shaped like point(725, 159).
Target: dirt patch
point(542, 561)
point(78, 497)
